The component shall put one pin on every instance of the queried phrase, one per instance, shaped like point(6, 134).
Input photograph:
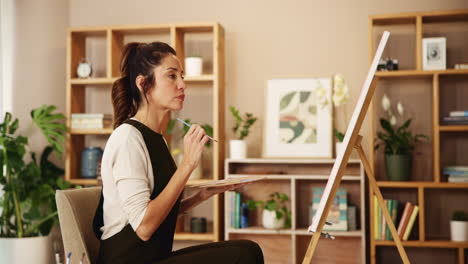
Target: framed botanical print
point(434, 53)
point(298, 120)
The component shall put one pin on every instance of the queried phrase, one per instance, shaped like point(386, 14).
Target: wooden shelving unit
point(102, 46)
point(297, 178)
point(427, 95)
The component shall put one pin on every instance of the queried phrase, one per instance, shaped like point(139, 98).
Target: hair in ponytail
point(137, 59)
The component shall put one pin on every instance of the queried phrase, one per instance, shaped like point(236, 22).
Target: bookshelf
point(427, 96)
point(297, 178)
point(102, 47)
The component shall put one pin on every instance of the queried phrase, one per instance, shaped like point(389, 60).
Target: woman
point(142, 187)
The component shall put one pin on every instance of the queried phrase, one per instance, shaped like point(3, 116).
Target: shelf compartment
point(402, 43)
point(304, 190)
point(455, 32)
point(277, 249)
point(416, 97)
point(120, 36)
point(340, 250)
point(89, 44)
point(250, 192)
point(439, 207)
point(389, 255)
point(453, 148)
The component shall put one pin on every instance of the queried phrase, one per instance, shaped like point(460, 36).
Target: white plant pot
point(338, 147)
point(37, 250)
point(269, 220)
point(197, 173)
point(193, 66)
point(237, 149)
point(459, 230)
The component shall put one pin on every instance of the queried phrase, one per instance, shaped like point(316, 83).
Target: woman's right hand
point(194, 143)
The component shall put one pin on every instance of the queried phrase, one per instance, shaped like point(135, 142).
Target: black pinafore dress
point(125, 246)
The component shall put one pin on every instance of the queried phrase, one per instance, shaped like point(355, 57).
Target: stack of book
point(405, 221)
point(91, 121)
point(238, 212)
point(456, 118)
point(456, 173)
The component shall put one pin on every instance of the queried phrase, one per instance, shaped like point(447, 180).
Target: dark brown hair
point(137, 59)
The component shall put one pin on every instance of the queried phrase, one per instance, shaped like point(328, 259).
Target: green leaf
point(286, 99)
point(170, 126)
point(51, 126)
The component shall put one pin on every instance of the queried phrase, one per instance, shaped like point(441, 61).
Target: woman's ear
point(139, 81)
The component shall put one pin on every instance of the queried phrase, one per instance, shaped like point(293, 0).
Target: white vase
point(237, 149)
point(193, 66)
point(270, 221)
point(37, 250)
point(459, 230)
point(338, 148)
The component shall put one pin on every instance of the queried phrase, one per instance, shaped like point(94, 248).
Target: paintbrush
point(189, 125)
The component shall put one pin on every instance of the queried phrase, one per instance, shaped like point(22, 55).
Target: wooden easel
point(353, 140)
point(375, 189)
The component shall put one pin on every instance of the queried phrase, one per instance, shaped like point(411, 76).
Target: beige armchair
point(76, 208)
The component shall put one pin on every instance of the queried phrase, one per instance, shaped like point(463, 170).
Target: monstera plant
point(29, 183)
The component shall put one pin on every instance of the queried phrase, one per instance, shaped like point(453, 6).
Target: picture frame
point(434, 53)
point(299, 118)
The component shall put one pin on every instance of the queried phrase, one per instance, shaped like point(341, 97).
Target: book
point(392, 209)
point(337, 215)
point(237, 210)
point(376, 218)
point(384, 223)
point(379, 222)
point(405, 216)
point(352, 218)
point(412, 219)
point(90, 120)
point(457, 178)
point(232, 205)
point(458, 113)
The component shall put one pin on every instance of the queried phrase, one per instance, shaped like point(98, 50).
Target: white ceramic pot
point(269, 220)
point(37, 250)
point(237, 149)
point(338, 147)
point(193, 66)
point(459, 230)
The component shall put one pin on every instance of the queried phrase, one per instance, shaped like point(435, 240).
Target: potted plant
point(238, 146)
point(275, 214)
point(28, 209)
point(399, 143)
point(459, 226)
point(177, 152)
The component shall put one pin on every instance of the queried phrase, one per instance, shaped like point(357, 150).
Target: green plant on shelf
point(396, 139)
point(242, 127)
point(277, 203)
point(459, 215)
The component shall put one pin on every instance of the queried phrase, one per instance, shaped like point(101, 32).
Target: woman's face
point(169, 90)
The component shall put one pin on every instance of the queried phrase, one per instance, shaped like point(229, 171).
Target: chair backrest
point(76, 208)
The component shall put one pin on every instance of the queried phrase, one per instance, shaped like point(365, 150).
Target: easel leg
point(312, 245)
point(380, 200)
